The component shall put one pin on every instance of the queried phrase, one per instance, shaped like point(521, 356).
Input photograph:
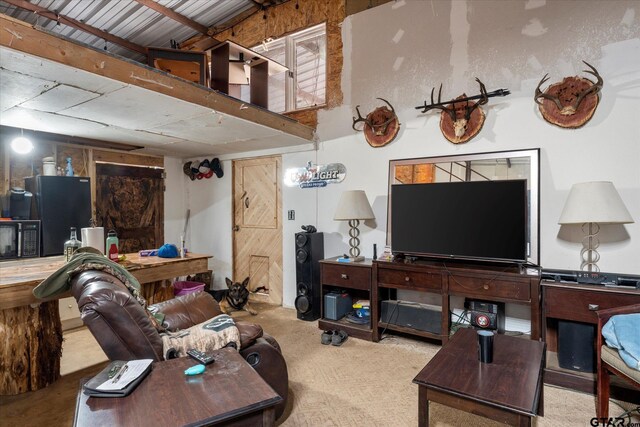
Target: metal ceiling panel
point(130, 20)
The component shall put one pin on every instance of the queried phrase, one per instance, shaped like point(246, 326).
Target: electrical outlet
point(291, 215)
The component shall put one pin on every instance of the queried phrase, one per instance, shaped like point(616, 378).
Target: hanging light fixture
point(21, 144)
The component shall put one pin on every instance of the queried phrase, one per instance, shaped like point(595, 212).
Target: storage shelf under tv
point(409, 331)
point(353, 278)
point(485, 281)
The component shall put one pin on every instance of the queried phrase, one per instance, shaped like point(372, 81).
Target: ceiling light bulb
point(21, 145)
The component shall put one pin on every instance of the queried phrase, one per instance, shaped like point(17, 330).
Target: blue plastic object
point(69, 168)
point(195, 370)
point(168, 250)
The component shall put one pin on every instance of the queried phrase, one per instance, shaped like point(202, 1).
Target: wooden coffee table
point(509, 390)
point(229, 390)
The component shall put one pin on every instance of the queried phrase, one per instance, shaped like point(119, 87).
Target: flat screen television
point(483, 220)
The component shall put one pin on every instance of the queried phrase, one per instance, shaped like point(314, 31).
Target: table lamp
point(354, 206)
point(592, 204)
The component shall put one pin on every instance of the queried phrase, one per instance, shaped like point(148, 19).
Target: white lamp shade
point(594, 202)
point(353, 204)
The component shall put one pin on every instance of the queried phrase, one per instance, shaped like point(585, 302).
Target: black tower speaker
point(576, 349)
point(309, 250)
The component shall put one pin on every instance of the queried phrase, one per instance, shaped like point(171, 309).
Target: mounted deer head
point(380, 126)
point(460, 119)
point(571, 103)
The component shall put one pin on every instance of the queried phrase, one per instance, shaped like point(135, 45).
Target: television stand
point(493, 282)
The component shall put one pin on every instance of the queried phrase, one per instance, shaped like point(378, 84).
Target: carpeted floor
point(358, 383)
point(365, 383)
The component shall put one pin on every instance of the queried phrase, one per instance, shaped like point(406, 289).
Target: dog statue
point(235, 298)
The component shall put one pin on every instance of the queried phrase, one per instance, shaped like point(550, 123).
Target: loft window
point(304, 53)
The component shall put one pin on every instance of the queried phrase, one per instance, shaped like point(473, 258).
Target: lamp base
point(358, 258)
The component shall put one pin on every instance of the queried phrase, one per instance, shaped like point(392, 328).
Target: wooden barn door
point(130, 200)
point(257, 241)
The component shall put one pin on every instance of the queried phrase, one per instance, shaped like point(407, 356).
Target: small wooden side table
point(509, 390)
point(230, 390)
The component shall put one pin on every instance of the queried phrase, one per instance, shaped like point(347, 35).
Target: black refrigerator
point(59, 202)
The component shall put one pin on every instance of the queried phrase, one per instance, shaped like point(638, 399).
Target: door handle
point(236, 228)
point(246, 202)
point(593, 307)
point(344, 276)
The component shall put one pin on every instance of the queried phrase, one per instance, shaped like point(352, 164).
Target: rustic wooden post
point(31, 347)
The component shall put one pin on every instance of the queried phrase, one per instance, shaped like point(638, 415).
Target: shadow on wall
point(335, 244)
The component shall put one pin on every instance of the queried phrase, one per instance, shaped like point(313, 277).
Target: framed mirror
point(493, 166)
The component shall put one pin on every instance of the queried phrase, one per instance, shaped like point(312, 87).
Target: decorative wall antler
point(380, 126)
point(572, 102)
point(460, 119)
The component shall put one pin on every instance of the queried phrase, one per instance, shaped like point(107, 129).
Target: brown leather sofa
point(123, 330)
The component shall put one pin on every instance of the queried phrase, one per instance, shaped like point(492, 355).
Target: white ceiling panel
point(16, 88)
point(56, 72)
point(215, 128)
point(134, 137)
point(59, 98)
point(135, 108)
point(49, 122)
point(181, 150)
point(74, 102)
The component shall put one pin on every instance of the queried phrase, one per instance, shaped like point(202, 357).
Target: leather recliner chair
point(123, 330)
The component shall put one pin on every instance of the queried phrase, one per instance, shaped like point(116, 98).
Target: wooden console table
point(575, 302)
point(31, 328)
point(501, 283)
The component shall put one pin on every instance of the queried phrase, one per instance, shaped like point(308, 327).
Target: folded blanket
point(207, 336)
point(621, 333)
point(59, 282)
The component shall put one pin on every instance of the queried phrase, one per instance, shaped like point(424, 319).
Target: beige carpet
point(365, 383)
point(359, 383)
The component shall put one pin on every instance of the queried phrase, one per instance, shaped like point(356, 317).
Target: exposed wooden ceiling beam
point(26, 5)
point(172, 14)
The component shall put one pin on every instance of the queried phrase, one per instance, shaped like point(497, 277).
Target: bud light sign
point(314, 176)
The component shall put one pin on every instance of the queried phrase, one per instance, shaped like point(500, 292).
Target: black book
point(118, 379)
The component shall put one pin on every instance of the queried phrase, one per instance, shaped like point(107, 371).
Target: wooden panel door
point(130, 200)
point(257, 239)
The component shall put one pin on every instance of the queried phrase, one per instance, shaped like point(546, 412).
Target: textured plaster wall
point(402, 49)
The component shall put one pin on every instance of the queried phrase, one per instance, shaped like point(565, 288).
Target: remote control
point(201, 357)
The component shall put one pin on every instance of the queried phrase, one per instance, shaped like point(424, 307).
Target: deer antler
point(359, 119)
point(370, 120)
point(570, 109)
point(434, 105)
point(594, 89)
point(540, 94)
point(383, 126)
point(483, 100)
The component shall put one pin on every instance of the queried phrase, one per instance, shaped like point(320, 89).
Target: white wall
point(400, 50)
point(175, 200)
